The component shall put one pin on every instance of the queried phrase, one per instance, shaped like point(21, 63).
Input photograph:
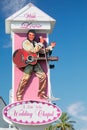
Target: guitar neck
point(48, 58)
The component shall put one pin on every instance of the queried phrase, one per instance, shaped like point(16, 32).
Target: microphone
point(40, 36)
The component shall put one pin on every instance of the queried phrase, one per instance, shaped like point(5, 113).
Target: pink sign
point(32, 112)
point(33, 85)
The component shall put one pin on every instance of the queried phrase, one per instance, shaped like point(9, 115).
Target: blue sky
point(69, 77)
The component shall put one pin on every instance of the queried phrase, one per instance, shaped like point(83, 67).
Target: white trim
point(29, 10)
point(12, 33)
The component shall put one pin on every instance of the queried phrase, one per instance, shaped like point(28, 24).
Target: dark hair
point(33, 31)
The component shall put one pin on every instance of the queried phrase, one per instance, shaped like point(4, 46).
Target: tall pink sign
point(31, 110)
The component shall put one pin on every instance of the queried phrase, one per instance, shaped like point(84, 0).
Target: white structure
point(3, 124)
point(29, 17)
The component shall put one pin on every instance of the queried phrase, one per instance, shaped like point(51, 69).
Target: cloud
point(10, 6)
point(84, 118)
point(75, 109)
point(83, 129)
point(7, 45)
point(78, 110)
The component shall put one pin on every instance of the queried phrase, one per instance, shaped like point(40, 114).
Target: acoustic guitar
point(22, 58)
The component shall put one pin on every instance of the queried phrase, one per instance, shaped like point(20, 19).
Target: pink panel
point(32, 87)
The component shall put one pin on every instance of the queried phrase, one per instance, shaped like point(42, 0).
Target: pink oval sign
point(32, 113)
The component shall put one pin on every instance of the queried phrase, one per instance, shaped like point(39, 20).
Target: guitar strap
point(45, 55)
point(33, 43)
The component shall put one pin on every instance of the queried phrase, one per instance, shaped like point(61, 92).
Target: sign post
point(32, 113)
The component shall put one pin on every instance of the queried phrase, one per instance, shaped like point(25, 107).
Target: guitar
point(22, 58)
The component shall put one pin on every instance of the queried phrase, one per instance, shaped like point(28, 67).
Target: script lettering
point(30, 25)
point(23, 113)
point(46, 114)
point(29, 15)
